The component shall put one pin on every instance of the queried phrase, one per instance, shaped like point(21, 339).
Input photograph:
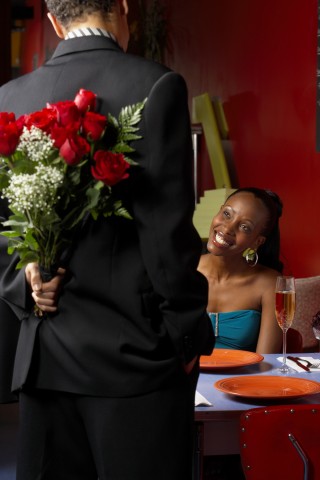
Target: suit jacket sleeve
point(163, 208)
point(12, 281)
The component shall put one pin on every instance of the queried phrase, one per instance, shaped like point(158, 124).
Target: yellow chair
point(207, 207)
point(211, 116)
point(203, 112)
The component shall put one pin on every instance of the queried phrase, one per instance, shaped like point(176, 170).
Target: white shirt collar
point(89, 31)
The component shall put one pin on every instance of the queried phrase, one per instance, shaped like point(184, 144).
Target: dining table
point(217, 424)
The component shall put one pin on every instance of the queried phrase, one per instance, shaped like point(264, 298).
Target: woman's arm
point(270, 336)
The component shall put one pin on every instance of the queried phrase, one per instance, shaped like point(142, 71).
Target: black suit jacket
point(134, 307)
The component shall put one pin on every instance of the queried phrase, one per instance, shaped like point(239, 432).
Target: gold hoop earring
point(251, 257)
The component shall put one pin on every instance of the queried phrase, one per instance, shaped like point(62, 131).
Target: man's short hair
point(68, 11)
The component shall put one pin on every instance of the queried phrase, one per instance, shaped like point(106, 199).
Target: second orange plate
point(268, 386)
point(222, 358)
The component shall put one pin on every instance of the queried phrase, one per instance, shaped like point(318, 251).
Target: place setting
point(267, 386)
point(302, 364)
point(284, 384)
point(222, 358)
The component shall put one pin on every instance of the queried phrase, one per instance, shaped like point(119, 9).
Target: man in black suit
point(107, 379)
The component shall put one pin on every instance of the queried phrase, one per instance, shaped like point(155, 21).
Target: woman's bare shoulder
point(267, 276)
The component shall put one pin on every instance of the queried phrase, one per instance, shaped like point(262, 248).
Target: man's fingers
point(33, 276)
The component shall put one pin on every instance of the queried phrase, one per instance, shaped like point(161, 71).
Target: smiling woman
point(241, 267)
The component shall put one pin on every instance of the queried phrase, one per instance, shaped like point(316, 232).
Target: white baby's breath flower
point(35, 143)
point(34, 192)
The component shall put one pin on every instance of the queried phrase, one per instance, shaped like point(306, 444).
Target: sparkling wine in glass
point(285, 310)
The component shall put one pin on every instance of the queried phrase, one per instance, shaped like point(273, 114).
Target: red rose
point(67, 113)
point(44, 119)
point(109, 167)
point(21, 122)
point(9, 138)
point(74, 149)
point(93, 125)
point(60, 134)
point(85, 100)
point(6, 117)
point(9, 134)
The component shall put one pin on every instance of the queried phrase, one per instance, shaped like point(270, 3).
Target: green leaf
point(31, 241)
point(131, 114)
point(94, 214)
point(49, 220)
point(74, 175)
point(14, 244)
point(122, 148)
point(24, 165)
point(12, 222)
point(4, 180)
point(28, 257)
point(17, 217)
point(10, 234)
point(113, 121)
point(18, 223)
point(93, 195)
point(130, 161)
point(121, 211)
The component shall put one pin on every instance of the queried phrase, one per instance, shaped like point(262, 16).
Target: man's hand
point(45, 294)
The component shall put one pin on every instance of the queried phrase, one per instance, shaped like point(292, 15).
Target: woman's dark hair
point(269, 251)
point(67, 11)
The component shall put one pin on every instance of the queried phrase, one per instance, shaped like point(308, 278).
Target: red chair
point(294, 341)
point(281, 442)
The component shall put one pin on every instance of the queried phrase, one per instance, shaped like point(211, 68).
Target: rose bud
point(94, 125)
point(74, 149)
point(85, 100)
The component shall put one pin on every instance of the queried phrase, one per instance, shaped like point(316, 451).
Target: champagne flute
point(285, 310)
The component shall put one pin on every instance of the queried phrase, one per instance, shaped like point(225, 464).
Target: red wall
point(32, 39)
point(260, 59)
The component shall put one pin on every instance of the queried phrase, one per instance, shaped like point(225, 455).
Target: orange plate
point(223, 358)
point(265, 386)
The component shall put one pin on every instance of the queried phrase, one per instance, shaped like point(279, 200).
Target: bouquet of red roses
point(58, 165)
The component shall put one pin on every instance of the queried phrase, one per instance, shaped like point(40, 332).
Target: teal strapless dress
point(238, 330)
